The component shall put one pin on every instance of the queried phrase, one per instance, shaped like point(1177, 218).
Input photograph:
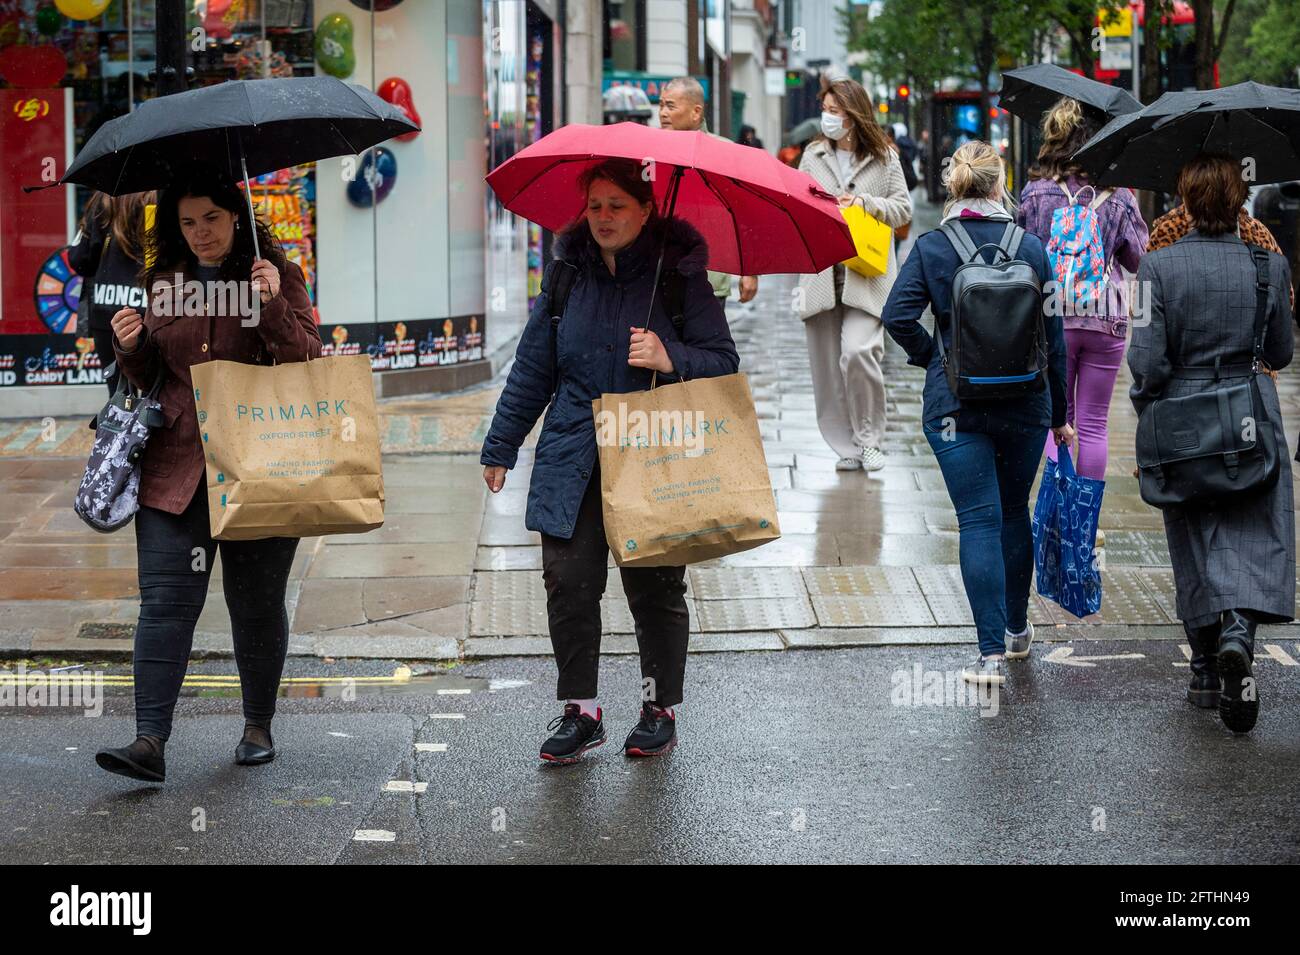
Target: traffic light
point(904, 91)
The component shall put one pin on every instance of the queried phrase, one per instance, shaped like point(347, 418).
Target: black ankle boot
point(1239, 704)
point(1204, 690)
point(142, 760)
point(251, 751)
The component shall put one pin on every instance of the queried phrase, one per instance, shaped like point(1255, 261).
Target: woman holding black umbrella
point(205, 235)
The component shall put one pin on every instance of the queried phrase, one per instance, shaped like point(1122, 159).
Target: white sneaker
point(986, 670)
point(1018, 643)
point(873, 459)
point(848, 464)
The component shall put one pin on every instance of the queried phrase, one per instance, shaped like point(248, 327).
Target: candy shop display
point(284, 201)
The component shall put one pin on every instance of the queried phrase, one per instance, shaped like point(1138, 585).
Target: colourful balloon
point(82, 9)
point(375, 178)
point(29, 67)
point(334, 50)
point(48, 21)
point(397, 91)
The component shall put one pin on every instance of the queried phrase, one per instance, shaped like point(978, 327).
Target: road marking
point(1065, 655)
point(404, 786)
point(431, 747)
point(1281, 656)
point(340, 735)
point(456, 692)
point(446, 716)
point(374, 835)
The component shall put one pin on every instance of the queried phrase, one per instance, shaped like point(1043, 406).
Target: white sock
point(588, 707)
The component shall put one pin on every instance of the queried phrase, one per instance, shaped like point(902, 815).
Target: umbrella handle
point(659, 264)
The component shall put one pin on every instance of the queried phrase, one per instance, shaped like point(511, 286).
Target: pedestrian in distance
point(841, 309)
point(577, 345)
point(988, 448)
point(109, 256)
point(203, 235)
point(681, 107)
point(1233, 558)
point(1095, 239)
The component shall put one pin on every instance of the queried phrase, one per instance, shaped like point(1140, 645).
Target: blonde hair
point(974, 172)
point(1065, 128)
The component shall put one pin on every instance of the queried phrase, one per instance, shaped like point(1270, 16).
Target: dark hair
point(1065, 128)
point(1213, 191)
point(167, 244)
point(626, 174)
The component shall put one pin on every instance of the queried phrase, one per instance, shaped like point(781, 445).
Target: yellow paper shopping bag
point(872, 239)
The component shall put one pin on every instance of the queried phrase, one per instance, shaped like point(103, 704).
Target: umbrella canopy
point(757, 214)
point(270, 124)
point(1146, 150)
point(1030, 91)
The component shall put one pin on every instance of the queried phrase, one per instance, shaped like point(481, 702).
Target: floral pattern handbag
point(109, 494)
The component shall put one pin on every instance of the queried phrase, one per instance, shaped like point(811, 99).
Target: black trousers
point(575, 571)
point(175, 554)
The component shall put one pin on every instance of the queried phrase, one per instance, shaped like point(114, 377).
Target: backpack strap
point(1012, 236)
point(1100, 198)
point(1260, 255)
point(557, 283)
point(961, 241)
point(672, 288)
point(1069, 196)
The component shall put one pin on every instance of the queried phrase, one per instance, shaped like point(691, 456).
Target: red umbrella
point(757, 214)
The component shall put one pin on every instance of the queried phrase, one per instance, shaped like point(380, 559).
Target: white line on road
point(1281, 656)
point(431, 747)
point(446, 716)
point(404, 786)
point(456, 692)
point(1064, 655)
point(374, 835)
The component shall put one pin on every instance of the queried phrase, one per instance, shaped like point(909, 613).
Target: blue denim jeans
point(989, 465)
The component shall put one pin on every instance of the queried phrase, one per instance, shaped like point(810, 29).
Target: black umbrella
point(242, 127)
point(1256, 124)
point(1030, 91)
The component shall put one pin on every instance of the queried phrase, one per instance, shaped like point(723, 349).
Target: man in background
point(681, 106)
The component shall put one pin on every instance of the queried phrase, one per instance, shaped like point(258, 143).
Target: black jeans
point(175, 554)
point(575, 571)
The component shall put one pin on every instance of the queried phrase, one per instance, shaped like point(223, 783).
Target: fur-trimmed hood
point(684, 249)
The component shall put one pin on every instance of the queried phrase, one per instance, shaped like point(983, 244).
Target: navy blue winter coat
point(592, 347)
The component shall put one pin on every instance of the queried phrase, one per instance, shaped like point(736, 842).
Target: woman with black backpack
point(109, 256)
point(596, 336)
point(989, 442)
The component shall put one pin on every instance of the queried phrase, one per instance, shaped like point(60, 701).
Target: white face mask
point(833, 126)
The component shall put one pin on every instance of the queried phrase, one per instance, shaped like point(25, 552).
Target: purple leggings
point(1091, 366)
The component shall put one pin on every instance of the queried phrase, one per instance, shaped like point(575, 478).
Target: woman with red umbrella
point(627, 262)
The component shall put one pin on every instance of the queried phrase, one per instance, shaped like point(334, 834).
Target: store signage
point(422, 343)
point(1117, 54)
point(649, 83)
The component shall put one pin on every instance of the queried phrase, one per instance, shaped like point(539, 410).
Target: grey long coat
point(1235, 555)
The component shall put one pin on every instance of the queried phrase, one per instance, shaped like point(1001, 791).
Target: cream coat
point(884, 194)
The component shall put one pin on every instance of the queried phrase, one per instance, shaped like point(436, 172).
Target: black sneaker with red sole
point(574, 733)
point(654, 734)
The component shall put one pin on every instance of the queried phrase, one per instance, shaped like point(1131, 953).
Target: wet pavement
point(866, 559)
point(856, 755)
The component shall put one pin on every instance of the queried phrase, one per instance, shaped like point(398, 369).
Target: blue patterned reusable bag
point(1065, 534)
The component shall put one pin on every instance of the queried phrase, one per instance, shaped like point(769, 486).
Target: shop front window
point(624, 41)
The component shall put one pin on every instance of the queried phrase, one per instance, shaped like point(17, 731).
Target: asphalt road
point(813, 756)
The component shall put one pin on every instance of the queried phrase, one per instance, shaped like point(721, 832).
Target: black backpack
point(557, 283)
point(999, 345)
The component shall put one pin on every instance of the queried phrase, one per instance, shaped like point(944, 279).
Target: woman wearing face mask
point(840, 308)
point(202, 236)
point(603, 343)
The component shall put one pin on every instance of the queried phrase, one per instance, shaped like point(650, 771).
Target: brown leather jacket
point(172, 466)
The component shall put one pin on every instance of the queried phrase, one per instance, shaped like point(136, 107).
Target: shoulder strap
point(960, 239)
point(1069, 196)
point(557, 283)
point(1011, 238)
point(1100, 198)
point(672, 287)
point(1260, 255)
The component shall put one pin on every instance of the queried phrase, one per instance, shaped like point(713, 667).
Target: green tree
point(1274, 45)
